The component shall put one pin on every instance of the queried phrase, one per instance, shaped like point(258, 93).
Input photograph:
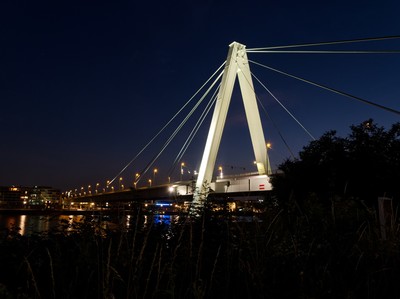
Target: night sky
point(84, 85)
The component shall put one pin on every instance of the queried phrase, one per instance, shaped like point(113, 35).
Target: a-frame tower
point(236, 65)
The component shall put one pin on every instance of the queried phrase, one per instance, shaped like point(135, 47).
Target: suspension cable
point(323, 52)
point(166, 125)
point(330, 89)
point(177, 130)
point(279, 102)
point(276, 128)
point(270, 118)
point(194, 130)
point(328, 43)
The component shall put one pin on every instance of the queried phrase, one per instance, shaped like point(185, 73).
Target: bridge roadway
point(233, 187)
point(158, 192)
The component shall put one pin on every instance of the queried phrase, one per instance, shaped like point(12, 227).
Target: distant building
point(29, 197)
point(44, 196)
point(10, 197)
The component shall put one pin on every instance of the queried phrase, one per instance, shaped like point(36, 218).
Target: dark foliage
point(364, 165)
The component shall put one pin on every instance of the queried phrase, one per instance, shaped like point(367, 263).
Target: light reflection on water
point(30, 224)
point(26, 225)
point(163, 219)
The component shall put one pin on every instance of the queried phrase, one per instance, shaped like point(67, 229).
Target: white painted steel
point(236, 65)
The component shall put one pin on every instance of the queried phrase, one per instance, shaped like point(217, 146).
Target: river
point(27, 225)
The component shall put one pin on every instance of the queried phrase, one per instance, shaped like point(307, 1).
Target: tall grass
point(307, 251)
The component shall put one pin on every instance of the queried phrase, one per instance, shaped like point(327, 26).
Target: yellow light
point(269, 145)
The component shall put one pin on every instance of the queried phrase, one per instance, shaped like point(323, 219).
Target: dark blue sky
point(85, 84)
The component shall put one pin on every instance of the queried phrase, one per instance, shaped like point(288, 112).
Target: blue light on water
point(162, 219)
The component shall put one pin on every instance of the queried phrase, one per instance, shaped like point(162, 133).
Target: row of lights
point(110, 188)
point(137, 175)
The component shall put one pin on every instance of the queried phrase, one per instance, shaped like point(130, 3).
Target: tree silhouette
point(364, 165)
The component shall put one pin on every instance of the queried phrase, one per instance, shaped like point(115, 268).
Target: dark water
point(35, 224)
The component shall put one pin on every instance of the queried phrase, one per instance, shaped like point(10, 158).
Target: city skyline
point(85, 86)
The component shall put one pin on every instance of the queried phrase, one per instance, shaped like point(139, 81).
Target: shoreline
point(55, 212)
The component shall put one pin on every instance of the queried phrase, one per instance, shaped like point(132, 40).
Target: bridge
point(245, 186)
point(204, 184)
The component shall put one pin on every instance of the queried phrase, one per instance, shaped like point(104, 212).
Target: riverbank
point(55, 212)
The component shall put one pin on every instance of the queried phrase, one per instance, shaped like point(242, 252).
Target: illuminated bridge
point(247, 187)
point(204, 183)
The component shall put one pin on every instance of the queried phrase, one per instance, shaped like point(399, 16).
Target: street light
point(97, 186)
point(136, 178)
point(220, 172)
point(182, 165)
point(107, 185)
point(269, 146)
point(150, 182)
point(88, 189)
point(120, 183)
point(154, 174)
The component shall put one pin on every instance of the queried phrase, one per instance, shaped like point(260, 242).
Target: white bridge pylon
point(236, 65)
